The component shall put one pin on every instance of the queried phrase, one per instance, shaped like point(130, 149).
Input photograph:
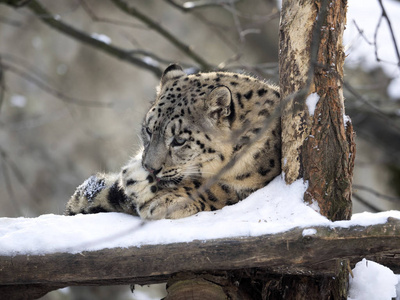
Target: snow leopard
point(209, 140)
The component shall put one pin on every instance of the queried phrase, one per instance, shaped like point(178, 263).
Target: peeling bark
point(319, 148)
point(317, 145)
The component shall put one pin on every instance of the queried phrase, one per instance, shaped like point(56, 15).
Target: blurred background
point(77, 76)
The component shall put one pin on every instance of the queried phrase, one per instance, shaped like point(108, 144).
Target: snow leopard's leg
point(155, 201)
point(186, 200)
point(100, 193)
point(113, 192)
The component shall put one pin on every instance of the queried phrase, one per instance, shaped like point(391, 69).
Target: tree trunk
point(305, 287)
point(317, 142)
point(213, 286)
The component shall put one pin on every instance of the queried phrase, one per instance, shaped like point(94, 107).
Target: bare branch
point(19, 175)
point(191, 5)
point(2, 85)
point(147, 55)
point(258, 20)
point(10, 22)
point(361, 32)
point(44, 86)
point(375, 41)
point(365, 203)
point(55, 22)
point(375, 109)
point(9, 188)
point(375, 193)
point(95, 18)
point(384, 15)
point(17, 3)
point(27, 65)
point(132, 11)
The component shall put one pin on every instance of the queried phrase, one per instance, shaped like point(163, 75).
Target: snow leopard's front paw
point(139, 185)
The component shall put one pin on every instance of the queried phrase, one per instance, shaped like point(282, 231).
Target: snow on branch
point(297, 251)
point(273, 230)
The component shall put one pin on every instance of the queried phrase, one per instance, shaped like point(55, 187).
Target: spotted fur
point(209, 140)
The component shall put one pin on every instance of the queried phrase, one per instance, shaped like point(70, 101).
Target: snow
point(309, 231)
point(91, 187)
point(366, 14)
point(311, 102)
point(101, 37)
point(346, 119)
point(149, 292)
point(276, 208)
point(150, 61)
point(398, 287)
point(372, 281)
point(18, 100)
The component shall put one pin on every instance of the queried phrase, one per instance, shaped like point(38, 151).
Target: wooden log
point(284, 253)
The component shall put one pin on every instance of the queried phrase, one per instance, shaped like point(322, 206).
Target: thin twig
point(2, 85)
point(95, 18)
point(366, 203)
point(9, 22)
point(9, 188)
point(384, 15)
point(376, 38)
point(132, 11)
point(44, 86)
point(373, 107)
point(232, 9)
point(216, 29)
point(375, 193)
point(19, 175)
point(375, 42)
point(361, 32)
point(27, 65)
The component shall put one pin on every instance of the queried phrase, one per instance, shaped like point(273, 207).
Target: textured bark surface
point(305, 287)
point(316, 145)
point(319, 148)
point(297, 20)
point(187, 286)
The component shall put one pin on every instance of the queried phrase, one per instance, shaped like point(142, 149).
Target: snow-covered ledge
point(272, 229)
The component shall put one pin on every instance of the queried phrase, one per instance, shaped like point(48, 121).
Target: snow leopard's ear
point(173, 71)
point(219, 103)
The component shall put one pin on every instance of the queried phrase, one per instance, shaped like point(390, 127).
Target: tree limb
point(54, 22)
point(95, 18)
point(375, 193)
point(291, 252)
point(132, 11)
point(2, 84)
point(384, 15)
point(191, 5)
point(45, 87)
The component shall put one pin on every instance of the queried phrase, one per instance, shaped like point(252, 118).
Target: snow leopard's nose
point(151, 170)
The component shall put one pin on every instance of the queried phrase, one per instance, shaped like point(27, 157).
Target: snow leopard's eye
point(177, 142)
point(148, 131)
